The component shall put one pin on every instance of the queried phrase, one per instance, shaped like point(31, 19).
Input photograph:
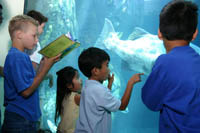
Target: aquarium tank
point(127, 30)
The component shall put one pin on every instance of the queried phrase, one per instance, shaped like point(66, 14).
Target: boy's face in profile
point(41, 28)
point(29, 36)
point(104, 71)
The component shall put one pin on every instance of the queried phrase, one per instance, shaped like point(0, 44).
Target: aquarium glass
point(127, 30)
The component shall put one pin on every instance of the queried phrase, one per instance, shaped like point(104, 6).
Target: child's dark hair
point(37, 16)
point(64, 78)
point(91, 58)
point(1, 17)
point(178, 20)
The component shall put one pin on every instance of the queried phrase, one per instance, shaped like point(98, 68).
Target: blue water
point(85, 21)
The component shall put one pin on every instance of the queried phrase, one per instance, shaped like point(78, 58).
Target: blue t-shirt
point(96, 106)
point(173, 88)
point(19, 75)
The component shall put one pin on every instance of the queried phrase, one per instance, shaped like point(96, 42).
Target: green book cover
point(62, 44)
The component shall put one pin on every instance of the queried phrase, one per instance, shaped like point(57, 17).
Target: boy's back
point(173, 87)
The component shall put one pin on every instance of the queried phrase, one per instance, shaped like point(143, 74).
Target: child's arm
point(127, 94)
point(47, 76)
point(1, 71)
point(110, 81)
point(77, 99)
point(46, 64)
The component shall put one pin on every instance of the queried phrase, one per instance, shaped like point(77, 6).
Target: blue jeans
point(14, 123)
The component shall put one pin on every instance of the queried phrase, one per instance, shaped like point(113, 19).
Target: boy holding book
point(21, 99)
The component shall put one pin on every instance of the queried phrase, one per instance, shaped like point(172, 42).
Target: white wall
point(10, 9)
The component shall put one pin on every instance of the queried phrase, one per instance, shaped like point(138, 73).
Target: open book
point(63, 44)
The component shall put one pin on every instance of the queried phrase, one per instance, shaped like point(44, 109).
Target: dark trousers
point(14, 123)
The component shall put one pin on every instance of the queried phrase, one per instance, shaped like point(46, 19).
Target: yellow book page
point(62, 44)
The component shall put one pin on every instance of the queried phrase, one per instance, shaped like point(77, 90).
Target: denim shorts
point(14, 123)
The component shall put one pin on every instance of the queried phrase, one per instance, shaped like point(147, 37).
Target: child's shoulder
point(94, 85)
point(71, 98)
point(15, 51)
point(95, 88)
point(16, 55)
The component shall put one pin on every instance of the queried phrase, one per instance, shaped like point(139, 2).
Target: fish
point(139, 51)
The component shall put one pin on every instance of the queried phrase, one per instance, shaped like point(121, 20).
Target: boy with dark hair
point(173, 87)
point(37, 16)
point(21, 99)
point(97, 102)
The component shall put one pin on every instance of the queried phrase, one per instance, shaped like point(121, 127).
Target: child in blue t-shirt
point(21, 99)
point(173, 86)
point(97, 101)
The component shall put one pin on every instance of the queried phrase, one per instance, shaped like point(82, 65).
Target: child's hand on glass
point(110, 80)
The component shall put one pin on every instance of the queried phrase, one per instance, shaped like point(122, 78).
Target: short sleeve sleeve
point(108, 101)
point(23, 72)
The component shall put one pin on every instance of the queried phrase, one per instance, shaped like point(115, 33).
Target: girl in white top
point(67, 101)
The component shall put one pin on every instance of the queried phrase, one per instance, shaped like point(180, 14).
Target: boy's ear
point(18, 34)
point(160, 35)
point(195, 34)
point(95, 71)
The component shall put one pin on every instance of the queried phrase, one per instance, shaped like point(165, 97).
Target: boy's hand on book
point(56, 58)
point(48, 62)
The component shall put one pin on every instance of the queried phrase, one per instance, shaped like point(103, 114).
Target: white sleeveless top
point(69, 114)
